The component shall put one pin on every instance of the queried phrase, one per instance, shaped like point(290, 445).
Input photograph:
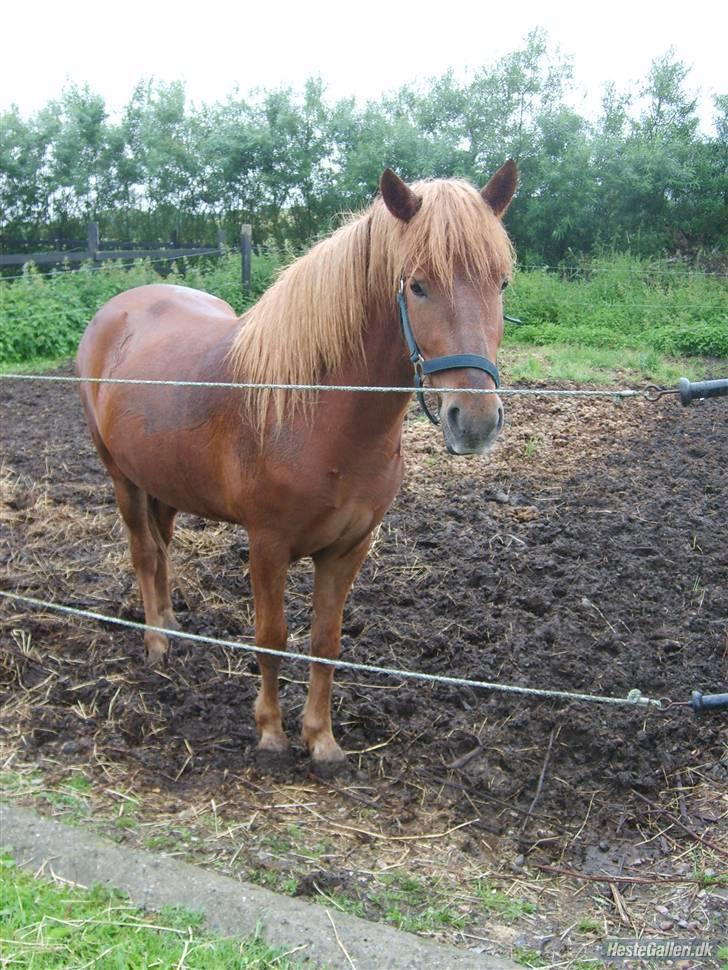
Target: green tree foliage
point(641, 177)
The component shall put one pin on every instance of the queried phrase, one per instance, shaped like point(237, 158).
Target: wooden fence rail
point(94, 253)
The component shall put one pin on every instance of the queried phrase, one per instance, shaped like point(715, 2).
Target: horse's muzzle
point(472, 431)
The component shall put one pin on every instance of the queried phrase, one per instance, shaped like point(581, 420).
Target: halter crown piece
point(424, 367)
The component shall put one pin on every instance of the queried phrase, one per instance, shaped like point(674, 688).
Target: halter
point(424, 367)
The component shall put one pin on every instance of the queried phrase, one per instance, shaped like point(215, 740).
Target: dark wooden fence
point(94, 253)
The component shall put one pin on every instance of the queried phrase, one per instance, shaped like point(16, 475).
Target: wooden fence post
point(93, 239)
point(246, 248)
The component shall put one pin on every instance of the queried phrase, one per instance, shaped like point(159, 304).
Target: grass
point(528, 958)
point(42, 316)
point(610, 316)
point(47, 926)
point(597, 365)
point(496, 901)
point(620, 302)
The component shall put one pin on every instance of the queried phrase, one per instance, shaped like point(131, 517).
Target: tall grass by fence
point(617, 302)
point(42, 315)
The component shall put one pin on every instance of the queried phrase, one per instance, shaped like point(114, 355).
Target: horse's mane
point(312, 318)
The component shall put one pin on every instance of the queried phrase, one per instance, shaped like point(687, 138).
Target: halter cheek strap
point(424, 367)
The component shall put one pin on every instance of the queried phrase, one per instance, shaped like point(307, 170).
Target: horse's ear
point(398, 197)
point(499, 191)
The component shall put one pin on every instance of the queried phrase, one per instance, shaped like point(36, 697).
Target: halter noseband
point(424, 367)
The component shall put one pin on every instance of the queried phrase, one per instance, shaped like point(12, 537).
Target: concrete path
point(232, 908)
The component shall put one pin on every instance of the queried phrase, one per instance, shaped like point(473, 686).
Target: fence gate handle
point(690, 390)
point(708, 702)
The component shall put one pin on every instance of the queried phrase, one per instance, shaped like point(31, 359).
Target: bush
point(621, 302)
point(44, 315)
point(703, 339)
point(611, 303)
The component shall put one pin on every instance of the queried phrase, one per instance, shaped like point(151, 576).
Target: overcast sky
point(358, 49)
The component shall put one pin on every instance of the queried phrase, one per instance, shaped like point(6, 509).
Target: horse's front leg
point(268, 569)
point(335, 571)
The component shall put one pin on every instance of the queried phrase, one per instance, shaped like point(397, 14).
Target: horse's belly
point(334, 509)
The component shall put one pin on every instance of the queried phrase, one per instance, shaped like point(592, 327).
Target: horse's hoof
point(156, 650)
point(327, 758)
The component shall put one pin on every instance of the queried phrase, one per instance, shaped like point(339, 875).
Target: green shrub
point(616, 303)
point(706, 339)
point(44, 315)
point(621, 303)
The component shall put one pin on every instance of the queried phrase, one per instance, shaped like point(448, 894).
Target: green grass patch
point(615, 314)
point(45, 926)
point(529, 958)
point(621, 303)
point(500, 903)
point(42, 316)
point(599, 365)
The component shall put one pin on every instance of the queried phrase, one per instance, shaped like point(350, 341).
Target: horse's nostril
point(453, 416)
point(501, 418)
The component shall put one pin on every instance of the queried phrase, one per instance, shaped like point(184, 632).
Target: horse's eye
point(504, 284)
point(416, 288)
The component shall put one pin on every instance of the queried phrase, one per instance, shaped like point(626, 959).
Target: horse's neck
point(386, 361)
point(384, 364)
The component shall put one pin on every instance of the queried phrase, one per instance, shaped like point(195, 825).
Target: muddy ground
point(588, 553)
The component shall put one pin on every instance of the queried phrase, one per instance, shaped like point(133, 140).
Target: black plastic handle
point(707, 702)
point(689, 390)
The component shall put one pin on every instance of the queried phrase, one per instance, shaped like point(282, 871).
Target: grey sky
point(359, 49)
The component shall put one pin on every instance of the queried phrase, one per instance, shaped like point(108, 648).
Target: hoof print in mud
point(328, 770)
point(274, 762)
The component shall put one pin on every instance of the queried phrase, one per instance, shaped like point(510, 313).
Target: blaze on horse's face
point(458, 316)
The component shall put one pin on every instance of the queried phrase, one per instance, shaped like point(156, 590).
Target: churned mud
point(589, 553)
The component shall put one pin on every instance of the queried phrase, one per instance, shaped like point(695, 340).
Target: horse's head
point(456, 261)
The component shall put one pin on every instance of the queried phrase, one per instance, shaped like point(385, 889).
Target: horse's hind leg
point(162, 523)
point(268, 569)
point(144, 544)
point(335, 572)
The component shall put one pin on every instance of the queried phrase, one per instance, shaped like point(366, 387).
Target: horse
point(307, 474)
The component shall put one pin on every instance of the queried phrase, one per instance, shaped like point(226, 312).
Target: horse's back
point(152, 327)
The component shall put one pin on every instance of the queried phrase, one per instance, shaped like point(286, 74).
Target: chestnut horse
point(306, 473)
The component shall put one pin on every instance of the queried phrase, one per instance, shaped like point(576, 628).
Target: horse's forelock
point(455, 232)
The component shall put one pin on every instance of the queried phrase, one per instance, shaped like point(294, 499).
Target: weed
point(276, 844)
point(588, 925)
point(617, 315)
point(15, 782)
point(289, 886)
point(708, 879)
point(528, 958)
point(617, 304)
point(355, 907)
point(425, 920)
point(533, 446)
point(496, 901)
point(43, 316)
point(125, 822)
point(74, 806)
point(78, 783)
point(160, 842)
